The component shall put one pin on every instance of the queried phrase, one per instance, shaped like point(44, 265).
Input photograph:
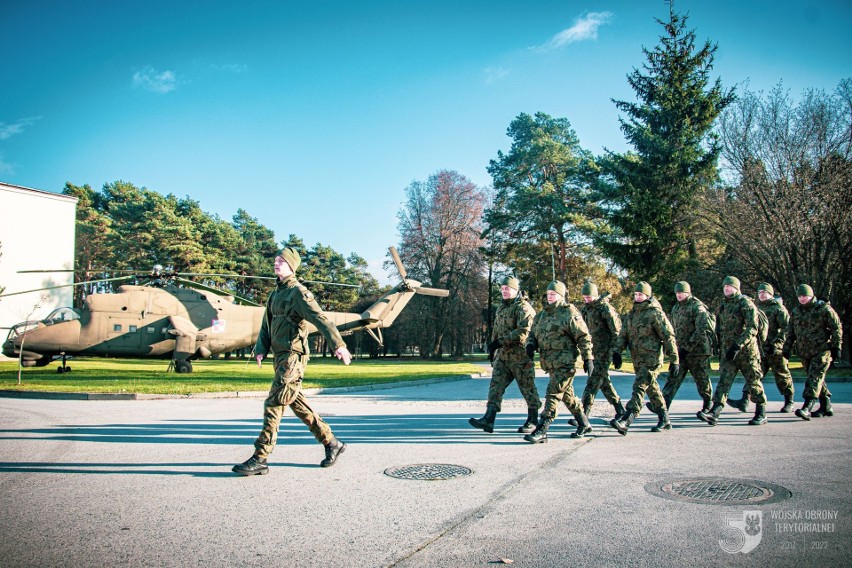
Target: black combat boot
point(708, 403)
point(712, 416)
point(824, 408)
point(530, 424)
point(623, 424)
point(664, 423)
point(539, 435)
point(740, 404)
point(619, 410)
point(805, 412)
point(487, 421)
point(586, 410)
point(332, 450)
point(583, 426)
point(788, 404)
point(252, 466)
point(759, 415)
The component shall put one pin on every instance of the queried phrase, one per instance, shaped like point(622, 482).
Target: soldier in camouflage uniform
point(690, 319)
point(817, 336)
point(647, 331)
point(604, 326)
point(284, 329)
point(736, 327)
point(771, 349)
point(509, 358)
point(560, 335)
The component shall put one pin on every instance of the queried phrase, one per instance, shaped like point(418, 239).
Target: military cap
point(683, 286)
point(643, 287)
point(557, 287)
point(589, 289)
point(511, 282)
point(731, 281)
point(766, 287)
point(804, 290)
point(291, 256)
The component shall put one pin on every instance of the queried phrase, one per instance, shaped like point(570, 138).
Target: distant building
point(36, 232)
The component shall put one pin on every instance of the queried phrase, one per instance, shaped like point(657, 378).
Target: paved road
point(148, 483)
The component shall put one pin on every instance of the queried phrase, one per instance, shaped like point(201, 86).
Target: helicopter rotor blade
point(437, 292)
point(198, 286)
point(68, 285)
point(398, 262)
point(265, 278)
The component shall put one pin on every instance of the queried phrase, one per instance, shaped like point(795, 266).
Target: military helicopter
point(161, 320)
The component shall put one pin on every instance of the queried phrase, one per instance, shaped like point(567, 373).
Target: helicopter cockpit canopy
point(61, 314)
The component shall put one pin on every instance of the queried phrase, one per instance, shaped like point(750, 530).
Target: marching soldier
point(284, 330)
point(737, 331)
point(648, 332)
point(509, 358)
point(691, 322)
point(771, 349)
point(604, 326)
point(560, 335)
point(816, 334)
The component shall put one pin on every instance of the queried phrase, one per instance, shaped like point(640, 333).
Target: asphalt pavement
point(149, 483)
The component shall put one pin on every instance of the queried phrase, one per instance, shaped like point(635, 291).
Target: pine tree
point(650, 195)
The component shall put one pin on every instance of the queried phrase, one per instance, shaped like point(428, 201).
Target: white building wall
point(36, 233)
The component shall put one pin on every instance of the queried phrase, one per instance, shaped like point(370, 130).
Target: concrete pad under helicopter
point(164, 321)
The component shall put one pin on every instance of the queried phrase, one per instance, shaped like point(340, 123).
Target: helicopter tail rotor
point(414, 285)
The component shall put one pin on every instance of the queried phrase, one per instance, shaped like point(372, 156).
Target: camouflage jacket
point(736, 324)
point(512, 325)
point(814, 329)
point(779, 319)
point(604, 324)
point(691, 324)
point(648, 332)
point(289, 309)
point(560, 334)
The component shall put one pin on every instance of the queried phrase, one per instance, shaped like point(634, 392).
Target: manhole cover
point(719, 491)
point(428, 471)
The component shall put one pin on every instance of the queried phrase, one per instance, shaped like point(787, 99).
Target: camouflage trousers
point(502, 375)
point(599, 381)
point(646, 382)
point(561, 388)
point(286, 390)
point(697, 365)
point(783, 379)
point(750, 367)
point(816, 367)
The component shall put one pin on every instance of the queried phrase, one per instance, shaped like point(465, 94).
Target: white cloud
point(5, 167)
point(231, 67)
point(585, 28)
point(494, 74)
point(152, 80)
point(17, 127)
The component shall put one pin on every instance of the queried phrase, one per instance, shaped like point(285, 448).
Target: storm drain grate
point(719, 491)
point(428, 471)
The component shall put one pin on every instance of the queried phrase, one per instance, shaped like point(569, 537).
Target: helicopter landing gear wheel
point(183, 366)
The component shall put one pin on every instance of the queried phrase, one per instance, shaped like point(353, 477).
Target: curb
point(47, 395)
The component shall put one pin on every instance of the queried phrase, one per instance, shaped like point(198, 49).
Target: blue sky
point(315, 116)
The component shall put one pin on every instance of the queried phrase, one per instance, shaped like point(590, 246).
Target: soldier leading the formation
point(284, 330)
point(816, 335)
point(648, 332)
point(691, 321)
point(737, 331)
point(771, 349)
point(604, 326)
point(560, 335)
point(509, 359)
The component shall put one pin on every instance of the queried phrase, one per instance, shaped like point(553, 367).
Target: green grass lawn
point(150, 376)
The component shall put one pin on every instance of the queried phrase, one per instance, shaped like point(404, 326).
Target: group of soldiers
point(751, 337)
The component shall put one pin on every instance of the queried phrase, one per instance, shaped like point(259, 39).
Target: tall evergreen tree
point(650, 196)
